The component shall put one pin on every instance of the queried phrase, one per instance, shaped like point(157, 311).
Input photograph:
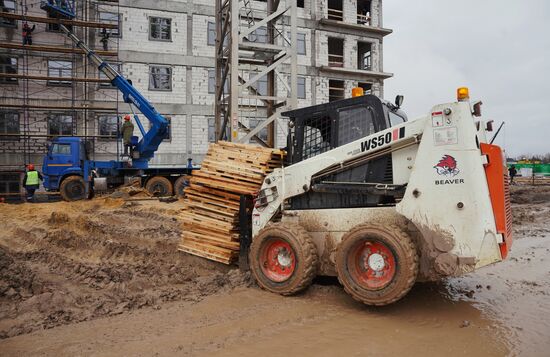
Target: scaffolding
point(256, 68)
point(51, 78)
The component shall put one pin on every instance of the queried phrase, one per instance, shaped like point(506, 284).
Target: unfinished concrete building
point(167, 49)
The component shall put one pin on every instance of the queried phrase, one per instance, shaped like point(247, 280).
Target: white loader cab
point(379, 201)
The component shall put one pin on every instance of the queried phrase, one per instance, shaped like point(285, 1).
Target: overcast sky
point(500, 49)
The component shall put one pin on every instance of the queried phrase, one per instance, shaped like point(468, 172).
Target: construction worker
point(27, 33)
point(105, 39)
point(31, 181)
point(127, 132)
point(512, 172)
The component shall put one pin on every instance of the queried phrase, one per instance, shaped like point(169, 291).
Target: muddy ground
point(104, 278)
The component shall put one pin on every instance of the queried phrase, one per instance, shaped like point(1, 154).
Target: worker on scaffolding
point(127, 132)
point(105, 39)
point(27, 33)
point(31, 181)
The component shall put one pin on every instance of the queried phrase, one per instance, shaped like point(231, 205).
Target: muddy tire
point(179, 186)
point(283, 259)
point(73, 189)
point(377, 264)
point(159, 186)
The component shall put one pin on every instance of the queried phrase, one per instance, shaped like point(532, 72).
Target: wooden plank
point(201, 205)
point(214, 192)
point(210, 204)
point(206, 239)
point(225, 186)
point(230, 178)
point(204, 254)
point(211, 199)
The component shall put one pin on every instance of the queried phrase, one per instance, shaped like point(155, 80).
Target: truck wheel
point(73, 189)
point(283, 259)
point(159, 186)
point(181, 183)
point(377, 264)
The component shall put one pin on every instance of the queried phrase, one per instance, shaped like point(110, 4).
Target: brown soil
point(62, 263)
point(104, 278)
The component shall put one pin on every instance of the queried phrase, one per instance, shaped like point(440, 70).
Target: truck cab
point(65, 157)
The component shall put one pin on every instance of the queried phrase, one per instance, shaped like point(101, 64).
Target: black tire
point(73, 189)
point(179, 186)
point(159, 186)
point(294, 247)
point(377, 264)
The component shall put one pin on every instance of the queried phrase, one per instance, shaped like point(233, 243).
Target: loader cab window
point(61, 149)
point(395, 119)
point(354, 123)
point(317, 135)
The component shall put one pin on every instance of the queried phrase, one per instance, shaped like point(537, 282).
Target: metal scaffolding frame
point(254, 41)
point(76, 101)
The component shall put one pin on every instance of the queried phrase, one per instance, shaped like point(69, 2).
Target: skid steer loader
point(379, 201)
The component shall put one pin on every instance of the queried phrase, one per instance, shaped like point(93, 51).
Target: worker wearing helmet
point(127, 132)
point(31, 181)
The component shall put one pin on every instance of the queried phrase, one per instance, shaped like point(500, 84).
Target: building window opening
point(262, 134)
point(110, 18)
point(335, 90)
point(364, 12)
point(9, 126)
point(300, 3)
point(335, 10)
point(59, 124)
point(108, 126)
point(160, 78)
point(335, 52)
point(364, 56)
point(7, 6)
point(8, 65)
point(160, 29)
point(367, 87)
point(58, 70)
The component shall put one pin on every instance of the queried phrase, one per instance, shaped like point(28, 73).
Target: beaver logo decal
point(447, 166)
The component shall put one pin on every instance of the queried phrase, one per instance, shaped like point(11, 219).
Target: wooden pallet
point(210, 216)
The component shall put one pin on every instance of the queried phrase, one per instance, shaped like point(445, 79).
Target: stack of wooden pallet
point(211, 214)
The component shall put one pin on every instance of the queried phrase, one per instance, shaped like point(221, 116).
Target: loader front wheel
point(159, 186)
point(377, 264)
point(283, 259)
point(73, 189)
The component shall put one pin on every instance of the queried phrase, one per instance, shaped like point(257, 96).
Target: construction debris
point(210, 218)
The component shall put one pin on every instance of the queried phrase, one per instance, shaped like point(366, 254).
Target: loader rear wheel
point(179, 186)
point(283, 259)
point(377, 264)
point(159, 186)
point(73, 189)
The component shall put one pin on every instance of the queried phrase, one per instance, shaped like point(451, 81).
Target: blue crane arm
point(151, 139)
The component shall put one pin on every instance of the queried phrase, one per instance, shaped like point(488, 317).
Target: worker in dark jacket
point(27, 33)
point(127, 132)
point(512, 172)
point(31, 181)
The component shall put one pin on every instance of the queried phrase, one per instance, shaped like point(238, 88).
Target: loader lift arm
point(152, 138)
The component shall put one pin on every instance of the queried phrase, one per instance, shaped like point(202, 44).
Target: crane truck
point(379, 201)
point(67, 167)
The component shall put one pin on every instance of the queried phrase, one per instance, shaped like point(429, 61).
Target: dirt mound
point(527, 194)
point(85, 260)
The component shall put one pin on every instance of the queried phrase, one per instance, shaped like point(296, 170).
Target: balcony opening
point(335, 90)
point(367, 87)
point(335, 10)
point(335, 52)
point(364, 12)
point(364, 56)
